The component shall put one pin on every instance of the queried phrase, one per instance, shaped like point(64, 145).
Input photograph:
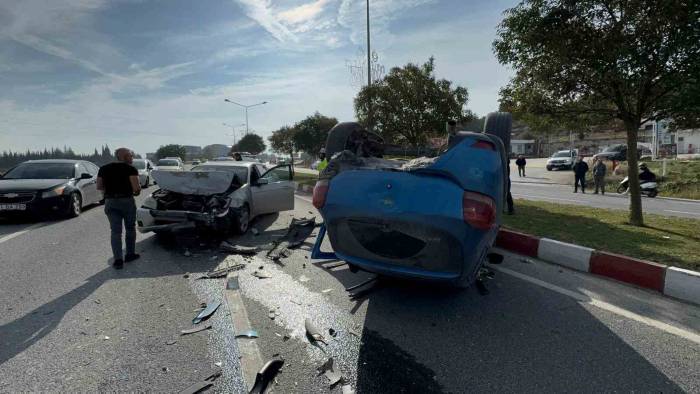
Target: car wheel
point(500, 124)
point(75, 205)
point(653, 193)
point(241, 220)
point(549, 168)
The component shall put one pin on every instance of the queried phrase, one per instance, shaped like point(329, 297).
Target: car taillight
point(480, 144)
point(320, 192)
point(478, 210)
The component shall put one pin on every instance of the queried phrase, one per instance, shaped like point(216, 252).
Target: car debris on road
point(206, 381)
point(266, 374)
point(207, 312)
point(313, 334)
point(196, 329)
point(237, 249)
point(297, 232)
point(327, 369)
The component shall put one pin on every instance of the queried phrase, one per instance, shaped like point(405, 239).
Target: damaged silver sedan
point(222, 196)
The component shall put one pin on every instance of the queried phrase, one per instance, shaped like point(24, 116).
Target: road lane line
point(688, 213)
point(691, 336)
point(20, 232)
point(547, 198)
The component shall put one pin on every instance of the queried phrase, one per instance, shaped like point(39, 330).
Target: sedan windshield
point(562, 154)
point(241, 172)
point(168, 163)
point(139, 164)
point(42, 171)
point(614, 148)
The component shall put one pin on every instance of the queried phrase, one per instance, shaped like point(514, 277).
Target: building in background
point(215, 150)
point(192, 152)
point(688, 141)
point(523, 147)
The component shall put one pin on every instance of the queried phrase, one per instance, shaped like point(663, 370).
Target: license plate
point(13, 207)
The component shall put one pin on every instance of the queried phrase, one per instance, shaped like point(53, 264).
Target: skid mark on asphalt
point(24, 231)
point(693, 337)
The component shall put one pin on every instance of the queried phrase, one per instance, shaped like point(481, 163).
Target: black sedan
point(42, 188)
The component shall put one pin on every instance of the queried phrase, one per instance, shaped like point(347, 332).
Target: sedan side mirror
point(262, 181)
point(85, 175)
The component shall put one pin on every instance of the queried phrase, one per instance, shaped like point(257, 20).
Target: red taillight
point(480, 144)
point(478, 210)
point(320, 191)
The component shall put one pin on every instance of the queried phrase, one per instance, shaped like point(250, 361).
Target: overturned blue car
point(429, 218)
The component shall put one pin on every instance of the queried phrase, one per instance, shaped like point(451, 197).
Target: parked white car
point(171, 164)
point(562, 159)
point(144, 167)
point(223, 196)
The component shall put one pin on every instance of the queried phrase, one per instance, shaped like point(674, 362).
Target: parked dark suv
point(619, 152)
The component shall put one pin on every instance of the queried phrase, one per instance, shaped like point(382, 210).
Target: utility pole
point(369, 73)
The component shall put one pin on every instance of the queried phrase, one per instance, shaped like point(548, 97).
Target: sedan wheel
point(241, 220)
point(75, 206)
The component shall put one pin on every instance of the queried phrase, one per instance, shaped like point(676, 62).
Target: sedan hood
point(202, 183)
point(7, 185)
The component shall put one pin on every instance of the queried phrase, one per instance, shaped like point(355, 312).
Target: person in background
point(645, 175)
point(599, 170)
point(580, 170)
point(323, 162)
point(120, 183)
point(237, 157)
point(520, 162)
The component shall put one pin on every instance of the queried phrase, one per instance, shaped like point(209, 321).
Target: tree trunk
point(636, 217)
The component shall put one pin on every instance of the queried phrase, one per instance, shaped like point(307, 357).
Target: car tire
point(240, 220)
point(75, 205)
point(549, 168)
point(653, 193)
point(500, 124)
point(338, 137)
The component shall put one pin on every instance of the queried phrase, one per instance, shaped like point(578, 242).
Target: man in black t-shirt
point(120, 183)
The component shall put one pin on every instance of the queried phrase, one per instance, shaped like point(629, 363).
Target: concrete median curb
point(671, 281)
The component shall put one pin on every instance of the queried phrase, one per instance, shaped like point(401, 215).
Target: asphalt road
point(71, 323)
point(541, 328)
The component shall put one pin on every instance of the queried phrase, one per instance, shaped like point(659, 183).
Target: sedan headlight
point(55, 192)
point(150, 203)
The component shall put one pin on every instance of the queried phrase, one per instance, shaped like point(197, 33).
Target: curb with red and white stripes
point(671, 281)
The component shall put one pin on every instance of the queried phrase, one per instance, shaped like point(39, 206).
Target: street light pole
point(233, 130)
point(246, 110)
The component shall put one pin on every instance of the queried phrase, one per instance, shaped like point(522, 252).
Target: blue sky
point(142, 73)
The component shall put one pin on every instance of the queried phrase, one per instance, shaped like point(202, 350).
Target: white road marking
point(691, 336)
point(24, 231)
point(546, 198)
point(688, 213)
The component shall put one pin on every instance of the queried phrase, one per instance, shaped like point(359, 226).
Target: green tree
point(252, 143)
point(282, 141)
point(171, 150)
point(631, 60)
point(311, 133)
point(410, 105)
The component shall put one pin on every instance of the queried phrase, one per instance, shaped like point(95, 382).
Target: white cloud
point(261, 12)
point(304, 12)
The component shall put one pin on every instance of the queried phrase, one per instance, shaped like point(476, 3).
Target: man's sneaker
point(118, 264)
point(131, 257)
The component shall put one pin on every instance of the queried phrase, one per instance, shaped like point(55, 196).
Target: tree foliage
point(171, 150)
point(630, 60)
point(252, 143)
point(282, 140)
point(311, 133)
point(9, 159)
point(410, 105)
